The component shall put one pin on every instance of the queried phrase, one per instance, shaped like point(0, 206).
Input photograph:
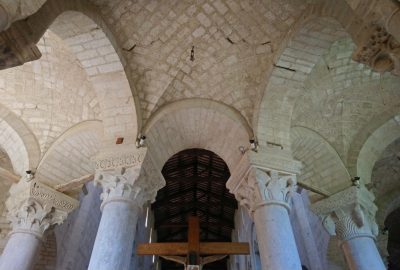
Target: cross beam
point(193, 249)
point(210, 248)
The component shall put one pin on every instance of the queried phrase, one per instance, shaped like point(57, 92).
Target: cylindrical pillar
point(349, 215)
point(361, 254)
point(266, 195)
point(20, 252)
point(129, 180)
point(30, 218)
point(114, 241)
point(276, 241)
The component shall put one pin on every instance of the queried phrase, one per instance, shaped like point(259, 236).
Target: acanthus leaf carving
point(133, 178)
point(262, 188)
point(36, 207)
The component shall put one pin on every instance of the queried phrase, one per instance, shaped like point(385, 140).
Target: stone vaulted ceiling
point(103, 58)
point(233, 46)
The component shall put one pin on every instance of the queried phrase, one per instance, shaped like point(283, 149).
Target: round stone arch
point(387, 205)
point(18, 142)
point(198, 123)
point(119, 100)
point(69, 157)
point(385, 185)
point(322, 166)
point(313, 34)
point(369, 143)
point(304, 50)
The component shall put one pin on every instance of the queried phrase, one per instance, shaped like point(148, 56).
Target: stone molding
point(114, 159)
point(128, 176)
point(34, 209)
point(255, 187)
point(349, 214)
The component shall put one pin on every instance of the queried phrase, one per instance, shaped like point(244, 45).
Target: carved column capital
point(348, 214)
point(128, 175)
point(36, 207)
point(255, 184)
point(378, 49)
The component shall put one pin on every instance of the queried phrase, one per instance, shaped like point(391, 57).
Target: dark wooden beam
point(194, 240)
point(184, 213)
point(178, 249)
point(222, 248)
point(184, 225)
point(220, 236)
point(196, 206)
point(172, 196)
point(162, 249)
point(230, 201)
point(171, 235)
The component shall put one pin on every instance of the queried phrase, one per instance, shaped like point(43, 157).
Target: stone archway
point(195, 185)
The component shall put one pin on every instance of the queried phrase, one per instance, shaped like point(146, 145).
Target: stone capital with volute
point(260, 180)
point(349, 214)
point(35, 207)
point(127, 175)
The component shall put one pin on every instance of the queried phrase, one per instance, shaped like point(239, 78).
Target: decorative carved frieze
point(379, 50)
point(37, 207)
point(349, 213)
point(128, 176)
point(121, 159)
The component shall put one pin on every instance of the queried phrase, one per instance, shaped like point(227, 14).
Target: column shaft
point(276, 241)
point(20, 252)
point(32, 209)
point(361, 254)
point(115, 237)
point(349, 214)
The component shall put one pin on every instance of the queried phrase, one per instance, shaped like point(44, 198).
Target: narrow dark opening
point(195, 185)
point(392, 223)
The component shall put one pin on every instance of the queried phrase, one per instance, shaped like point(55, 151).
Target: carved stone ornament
point(379, 50)
point(130, 177)
point(254, 187)
point(37, 207)
point(108, 160)
point(348, 214)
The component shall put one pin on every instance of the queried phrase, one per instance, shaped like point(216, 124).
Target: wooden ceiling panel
point(195, 185)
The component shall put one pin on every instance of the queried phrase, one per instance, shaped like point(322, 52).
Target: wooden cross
point(193, 254)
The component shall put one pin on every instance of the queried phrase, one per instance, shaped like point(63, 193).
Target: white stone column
point(129, 180)
point(32, 212)
point(349, 215)
point(265, 193)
